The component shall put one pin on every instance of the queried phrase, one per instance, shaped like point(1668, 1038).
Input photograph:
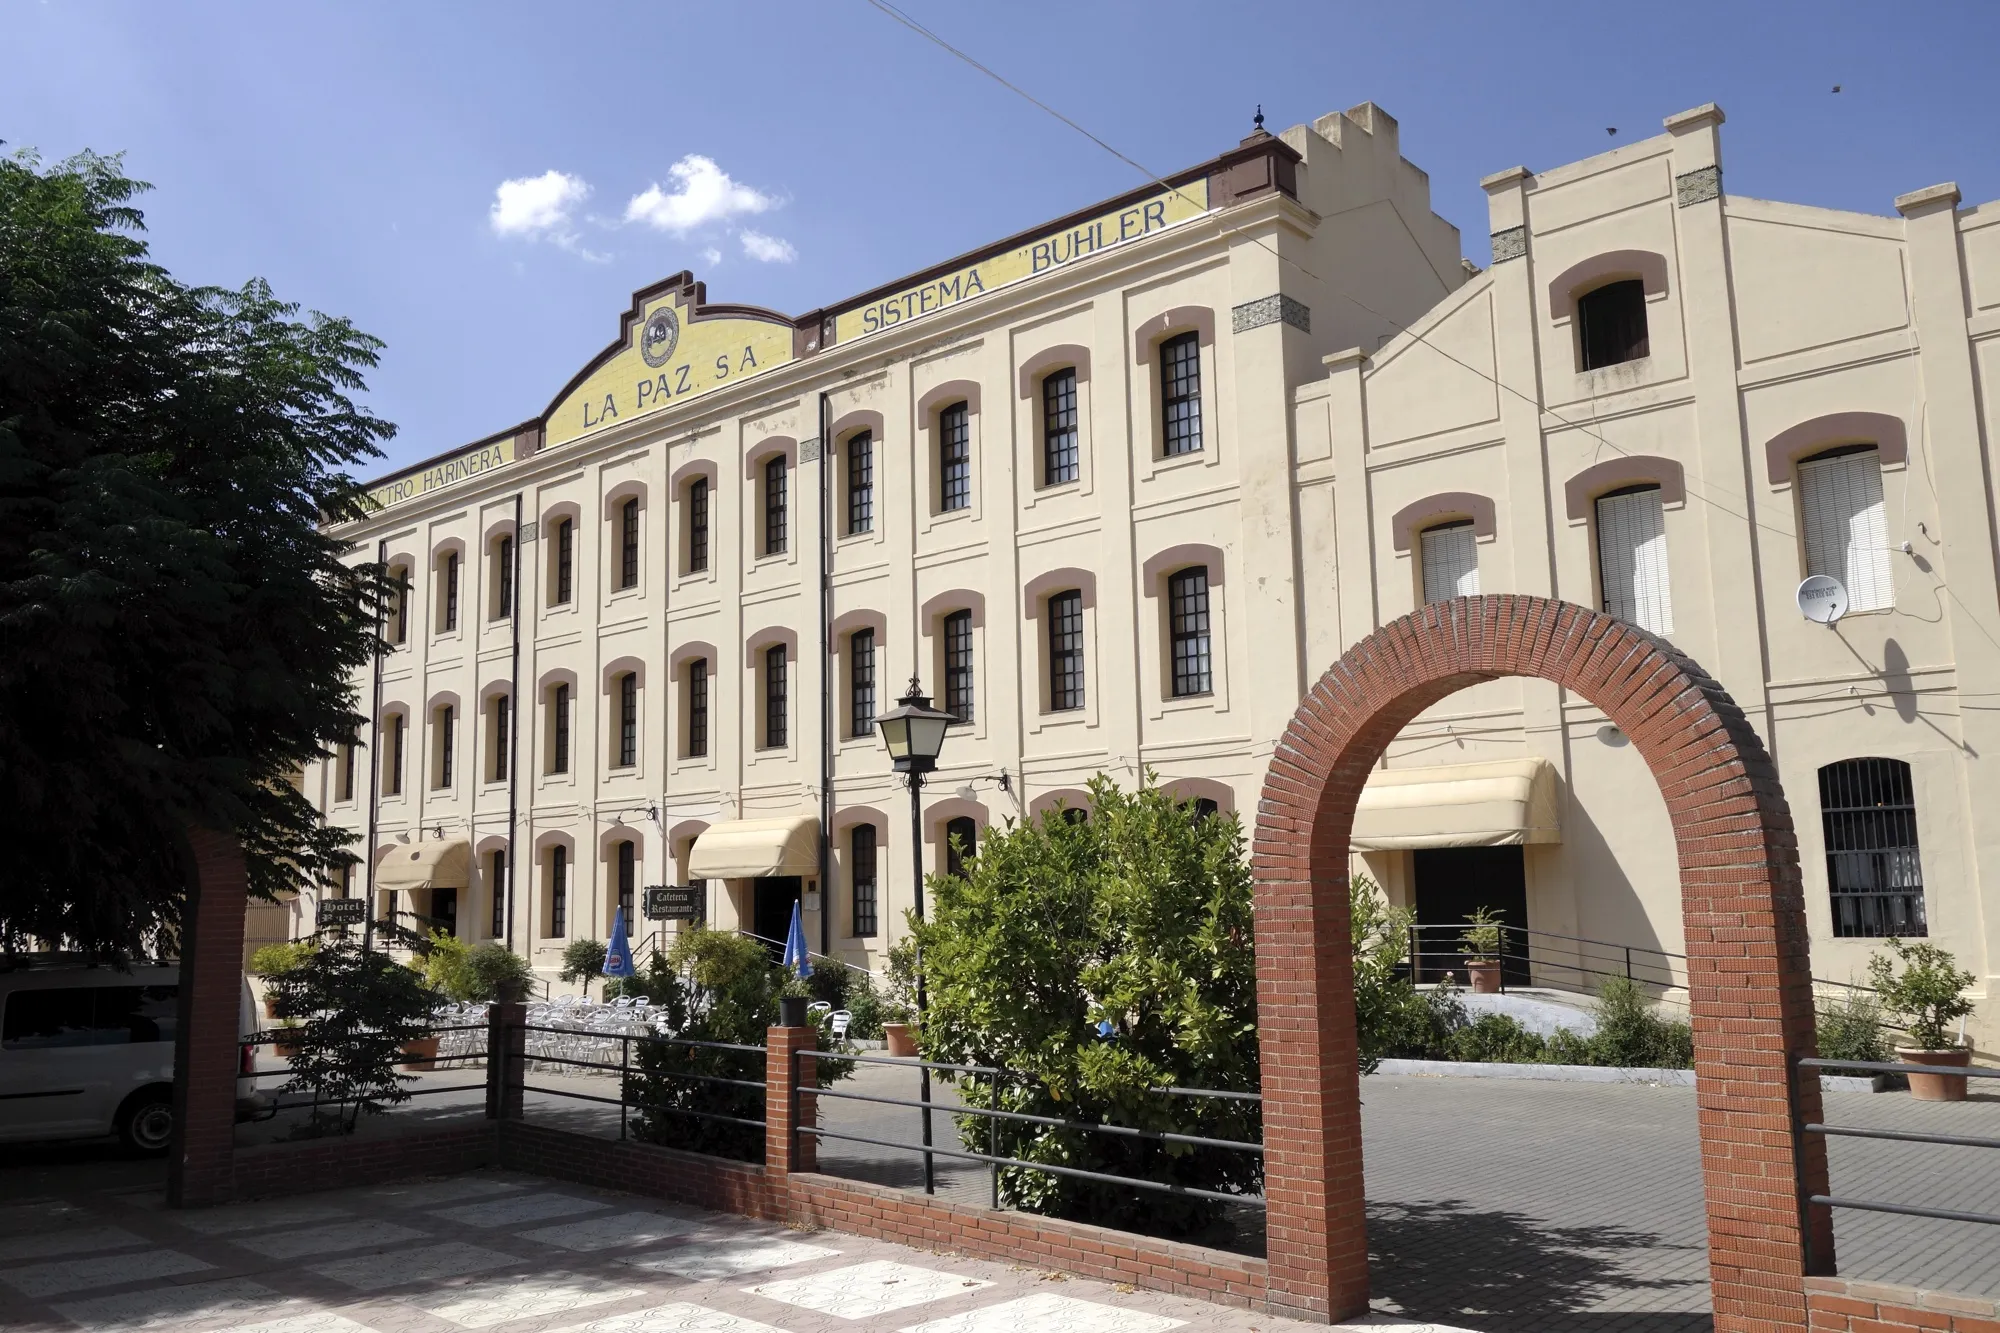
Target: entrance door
point(1451, 883)
point(771, 909)
point(444, 910)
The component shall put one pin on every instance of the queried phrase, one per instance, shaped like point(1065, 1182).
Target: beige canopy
point(1503, 803)
point(437, 863)
point(751, 848)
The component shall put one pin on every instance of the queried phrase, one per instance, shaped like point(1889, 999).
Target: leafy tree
point(177, 630)
point(1926, 995)
point(492, 971)
point(349, 1013)
point(1139, 919)
point(582, 961)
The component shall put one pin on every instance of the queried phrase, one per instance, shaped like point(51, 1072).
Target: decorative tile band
point(1271, 310)
point(1510, 244)
point(809, 450)
point(1698, 186)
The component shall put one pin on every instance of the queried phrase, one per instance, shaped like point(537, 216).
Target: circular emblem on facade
point(658, 339)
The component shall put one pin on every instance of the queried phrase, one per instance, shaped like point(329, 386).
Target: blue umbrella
point(796, 956)
point(618, 957)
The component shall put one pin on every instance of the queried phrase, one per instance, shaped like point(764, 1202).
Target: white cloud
point(702, 193)
point(535, 206)
point(711, 256)
point(768, 249)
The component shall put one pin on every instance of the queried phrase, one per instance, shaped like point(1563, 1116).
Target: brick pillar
point(784, 1151)
point(201, 1164)
point(506, 1059)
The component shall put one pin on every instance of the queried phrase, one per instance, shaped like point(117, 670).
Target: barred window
point(451, 591)
point(503, 578)
point(628, 719)
point(1180, 394)
point(861, 876)
point(697, 740)
point(1632, 558)
point(1846, 530)
point(776, 697)
point(1611, 324)
point(861, 483)
point(559, 750)
point(628, 877)
point(961, 844)
point(502, 735)
point(954, 458)
point(1059, 442)
point(1187, 598)
point(565, 561)
point(775, 506)
point(628, 543)
point(1065, 615)
point(447, 734)
point(697, 525)
point(496, 878)
point(1868, 811)
point(861, 682)
point(558, 892)
point(958, 665)
point(1450, 559)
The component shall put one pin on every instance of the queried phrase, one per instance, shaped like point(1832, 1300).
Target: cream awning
point(750, 848)
point(1499, 804)
point(436, 863)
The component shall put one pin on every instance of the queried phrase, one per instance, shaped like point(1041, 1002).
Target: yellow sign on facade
point(446, 472)
point(670, 358)
point(1148, 217)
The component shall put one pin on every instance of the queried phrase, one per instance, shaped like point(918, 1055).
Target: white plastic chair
point(841, 1018)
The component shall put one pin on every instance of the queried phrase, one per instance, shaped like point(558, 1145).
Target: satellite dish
point(1823, 599)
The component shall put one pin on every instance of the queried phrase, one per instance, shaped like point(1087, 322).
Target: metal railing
point(1895, 1135)
point(275, 1037)
point(625, 1069)
point(994, 1078)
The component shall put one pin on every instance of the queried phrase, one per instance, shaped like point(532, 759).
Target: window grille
point(1180, 394)
point(1187, 597)
point(502, 734)
point(697, 745)
point(1451, 563)
point(558, 892)
point(559, 762)
point(1611, 324)
point(565, 561)
point(628, 719)
point(861, 875)
point(1868, 810)
point(628, 874)
point(1632, 558)
point(1060, 456)
point(451, 591)
point(776, 697)
point(697, 525)
point(861, 483)
point(447, 733)
point(1846, 529)
point(861, 682)
point(775, 506)
point(497, 878)
point(1066, 651)
point(958, 665)
point(954, 458)
point(503, 559)
point(961, 844)
point(628, 544)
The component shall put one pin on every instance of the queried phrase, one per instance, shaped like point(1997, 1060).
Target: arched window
point(345, 790)
point(1868, 811)
point(559, 729)
point(565, 561)
point(860, 453)
point(399, 604)
point(961, 844)
point(1187, 603)
point(1065, 611)
point(558, 918)
point(777, 508)
point(628, 543)
point(1632, 558)
point(697, 708)
point(503, 578)
point(496, 879)
point(777, 698)
point(446, 722)
point(628, 719)
point(861, 878)
point(1450, 559)
point(392, 754)
point(954, 458)
point(450, 609)
point(1180, 394)
point(1611, 324)
point(697, 512)
point(958, 665)
point(861, 682)
point(1845, 526)
point(499, 742)
point(628, 877)
point(1060, 460)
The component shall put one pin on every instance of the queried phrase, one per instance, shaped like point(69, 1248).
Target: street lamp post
point(913, 732)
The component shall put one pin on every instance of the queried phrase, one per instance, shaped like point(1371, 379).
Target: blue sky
point(793, 154)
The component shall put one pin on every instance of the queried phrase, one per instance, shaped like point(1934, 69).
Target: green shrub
point(1926, 995)
point(274, 960)
point(1631, 1035)
point(443, 965)
point(1850, 1028)
point(864, 1004)
point(1481, 938)
point(582, 961)
point(1496, 1038)
point(489, 972)
point(349, 1012)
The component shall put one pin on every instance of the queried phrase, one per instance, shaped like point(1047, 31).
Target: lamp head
point(913, 732)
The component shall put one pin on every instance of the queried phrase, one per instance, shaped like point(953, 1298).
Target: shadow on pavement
point(1503, 1272)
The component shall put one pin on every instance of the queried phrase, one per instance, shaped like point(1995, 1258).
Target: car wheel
point(146, 1121)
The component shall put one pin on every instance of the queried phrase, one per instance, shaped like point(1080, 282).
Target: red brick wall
point(1840, 1306)
point(373, 1159)
point(1744, 912)
point(198, 1165)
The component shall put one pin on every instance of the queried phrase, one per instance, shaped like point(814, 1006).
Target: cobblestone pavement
point(515, 1254)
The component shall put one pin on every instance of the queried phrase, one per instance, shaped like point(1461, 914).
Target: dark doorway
point(1454, 881)
point(771, 909)
point(444, 910)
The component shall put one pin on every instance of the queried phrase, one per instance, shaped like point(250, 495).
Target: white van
point(88, 1051)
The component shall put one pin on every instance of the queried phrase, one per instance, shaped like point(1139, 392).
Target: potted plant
point(582, 961)
point(275, 960)
point(1481, 942)
point(1925, 996)
point(284, 1038)
point(899, 1007)
point(493, 972)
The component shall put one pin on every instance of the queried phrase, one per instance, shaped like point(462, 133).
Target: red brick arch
point(1748, 964)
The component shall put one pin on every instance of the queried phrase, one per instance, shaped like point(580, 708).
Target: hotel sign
point(445, 472)
point(1147, 217)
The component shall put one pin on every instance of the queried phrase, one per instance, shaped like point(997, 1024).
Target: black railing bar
point(1209, 1092)
point(642, 1072)
point(1907, 1210)
point(272, 1036)
point(701, 1078)
point(1078, 1172)
point(1970, 1071)
point(1462, 927)
point(532, 1058)
point(700, 1115)
point(904, 1062)
point(1123, 1131)
point(1902, 1136)
point(279, 1104)
point(646, 1036)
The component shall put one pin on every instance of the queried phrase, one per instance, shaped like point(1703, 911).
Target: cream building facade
point(1116, 489)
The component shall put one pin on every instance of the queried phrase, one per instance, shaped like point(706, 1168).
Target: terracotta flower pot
point(1485, 973)
point(1936, 1087)
point(899, 1038)
point(420, 1053)
point(284, 1049)
point(270, 1005)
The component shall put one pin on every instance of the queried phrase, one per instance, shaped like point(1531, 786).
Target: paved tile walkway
point(516, 1254)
